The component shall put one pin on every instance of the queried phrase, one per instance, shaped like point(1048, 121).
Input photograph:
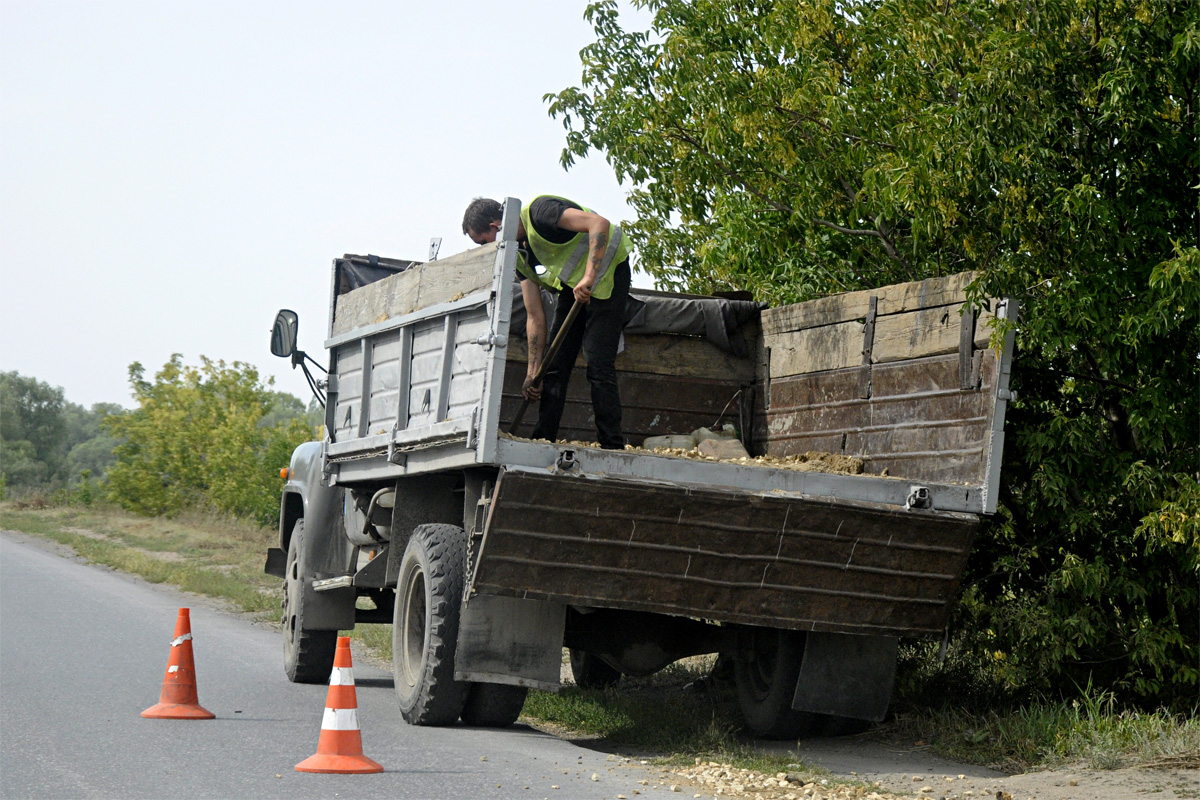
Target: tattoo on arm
point(599, 245)
point(535, 350)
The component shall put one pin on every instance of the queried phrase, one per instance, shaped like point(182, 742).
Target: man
point(586, 260)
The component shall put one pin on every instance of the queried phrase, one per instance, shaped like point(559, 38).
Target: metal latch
point(918, 497)
point(491, 339)
point(566, 461)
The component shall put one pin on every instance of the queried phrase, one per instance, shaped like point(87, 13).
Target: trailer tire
point(493, 705)
point(591, 672)
point(307, 654)
point(425, 626)
point(765, 669)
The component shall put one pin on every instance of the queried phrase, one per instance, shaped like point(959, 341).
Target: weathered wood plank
point(924, 332)
point(418, 287)
point(816, 349)
point(854, 305)
point(666, 354)
point(652, 404)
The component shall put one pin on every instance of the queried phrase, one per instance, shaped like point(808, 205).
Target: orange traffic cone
point(178, 699)
point(340, 746)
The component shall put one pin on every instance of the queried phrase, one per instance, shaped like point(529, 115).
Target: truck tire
point(590, 672)
point(425, 626)
point(765, 670)
point(307, 654)
point(493, 705)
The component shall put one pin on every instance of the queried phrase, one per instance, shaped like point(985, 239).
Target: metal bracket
point(566, 462)
point(918, 497)
point(489, 340)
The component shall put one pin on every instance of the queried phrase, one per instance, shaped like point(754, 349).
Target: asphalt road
point(83, 651)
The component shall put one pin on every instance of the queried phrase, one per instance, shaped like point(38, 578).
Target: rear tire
point(425, 626)
point(493, 705)
point(765, 671)
point(592, 673)
point(307, 654)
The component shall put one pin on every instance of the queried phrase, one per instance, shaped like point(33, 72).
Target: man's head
point(482, 220)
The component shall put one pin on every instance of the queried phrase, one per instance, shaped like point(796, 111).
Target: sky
point(173, 173)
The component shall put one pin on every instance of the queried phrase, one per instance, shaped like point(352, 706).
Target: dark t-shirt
point(544, 214)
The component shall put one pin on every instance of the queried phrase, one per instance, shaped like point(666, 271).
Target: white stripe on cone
point(341, 676)
point(340, 719)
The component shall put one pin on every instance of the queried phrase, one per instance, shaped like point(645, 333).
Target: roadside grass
point(205, 553)
point(666, 714)
point(1091, 731)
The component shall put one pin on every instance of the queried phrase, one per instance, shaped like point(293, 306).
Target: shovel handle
point(550, 354)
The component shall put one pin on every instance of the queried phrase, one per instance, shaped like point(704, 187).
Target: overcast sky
point(172, 173)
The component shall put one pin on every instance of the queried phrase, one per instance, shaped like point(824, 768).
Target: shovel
point(550, 354)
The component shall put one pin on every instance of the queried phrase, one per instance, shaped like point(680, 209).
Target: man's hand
point(583, 289)
point(529, 390)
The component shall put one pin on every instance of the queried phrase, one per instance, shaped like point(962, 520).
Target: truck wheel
point(765, 670)
point(590, 672)
point(493, 705)
point(425, 625)
point(307, 654)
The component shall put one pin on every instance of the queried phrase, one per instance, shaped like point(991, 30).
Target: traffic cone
point(340, 746)
point(178, 699)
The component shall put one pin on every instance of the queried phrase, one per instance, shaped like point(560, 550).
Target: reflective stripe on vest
point(567, 262)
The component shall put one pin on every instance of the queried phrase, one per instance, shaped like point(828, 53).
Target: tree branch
point(887, 243)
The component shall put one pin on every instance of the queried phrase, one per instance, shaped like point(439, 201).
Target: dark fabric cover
point(355, 272)
point(715, 318)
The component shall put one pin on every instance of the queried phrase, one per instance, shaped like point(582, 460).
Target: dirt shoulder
point(866, 767)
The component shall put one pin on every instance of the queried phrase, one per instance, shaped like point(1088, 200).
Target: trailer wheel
point(307, 654)
point(493, 705)
point(425, 625)
point(765, 670)
point(590, 672)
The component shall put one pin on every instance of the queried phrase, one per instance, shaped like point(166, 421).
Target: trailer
point(490, 553)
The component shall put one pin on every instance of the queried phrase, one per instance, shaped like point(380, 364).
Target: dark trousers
point(597, 331)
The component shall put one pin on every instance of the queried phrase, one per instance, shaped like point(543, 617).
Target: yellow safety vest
point(570, 258)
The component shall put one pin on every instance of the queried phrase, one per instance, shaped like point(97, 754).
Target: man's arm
point(597, 228)
point(535, 334)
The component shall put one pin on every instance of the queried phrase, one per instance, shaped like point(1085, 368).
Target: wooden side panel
point(419, 287)
point(733, 557)
point(911, 389)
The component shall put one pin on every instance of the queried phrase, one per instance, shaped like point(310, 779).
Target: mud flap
point(846, 675)
point(276, 562)
point(510, 640)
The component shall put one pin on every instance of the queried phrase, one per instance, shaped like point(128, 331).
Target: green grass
point(203, 553)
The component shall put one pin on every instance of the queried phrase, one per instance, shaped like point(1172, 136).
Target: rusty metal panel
point(766, 559)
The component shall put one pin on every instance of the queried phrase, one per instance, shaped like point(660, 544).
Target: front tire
point(765, 671)
point(307, 654)
point(425, 626)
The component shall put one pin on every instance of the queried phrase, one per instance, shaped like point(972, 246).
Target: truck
point(498, 559)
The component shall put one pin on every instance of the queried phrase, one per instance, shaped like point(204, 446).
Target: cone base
point(177, 711)
point(322, 762)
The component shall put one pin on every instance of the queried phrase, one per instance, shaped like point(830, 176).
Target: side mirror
point(284, 333)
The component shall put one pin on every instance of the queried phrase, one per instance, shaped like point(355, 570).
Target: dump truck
point(499, 560)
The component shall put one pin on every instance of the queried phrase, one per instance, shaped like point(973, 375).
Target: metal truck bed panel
point(726, 555)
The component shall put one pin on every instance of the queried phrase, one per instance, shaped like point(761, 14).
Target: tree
point(32, 430)
point(797, 148)
point(198, 437)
